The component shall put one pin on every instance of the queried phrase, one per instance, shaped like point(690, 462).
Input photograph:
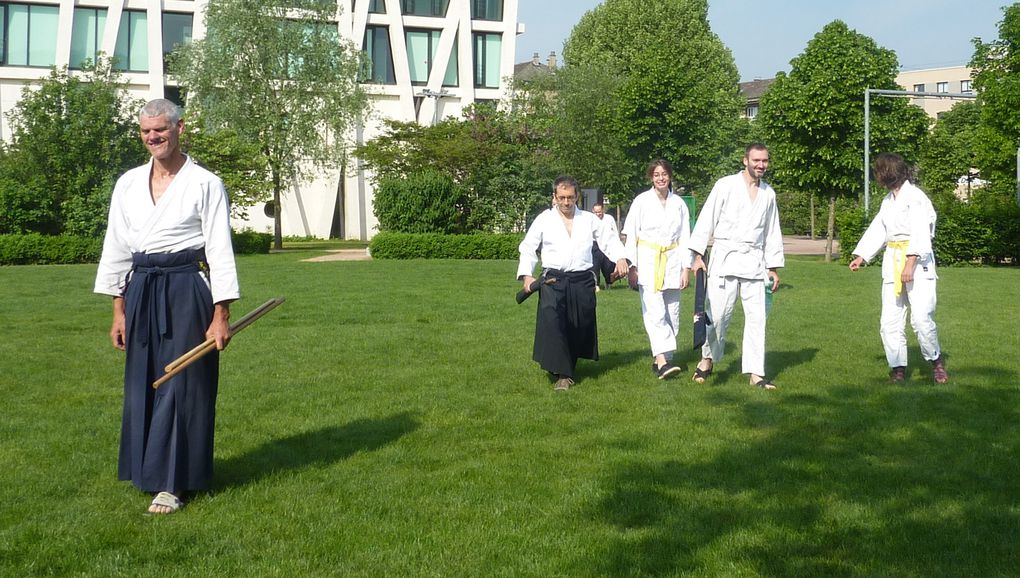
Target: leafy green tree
point(239, 163)
point(996, 67)
point(496, 157)
point(664, 86)
point(813, 118)
point(424, 202)
point(71, 136)
point(949, 151)
point(279, 75)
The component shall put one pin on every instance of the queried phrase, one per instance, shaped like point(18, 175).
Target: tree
point(279, 75)
point(498, 161)
point(237, 162)
point(949, 150)
point(813, 118)
point(996, 67)
point(71, 136)
point(670, 89)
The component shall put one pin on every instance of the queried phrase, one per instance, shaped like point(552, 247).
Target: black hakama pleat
point(565, 328)
point(167, 434)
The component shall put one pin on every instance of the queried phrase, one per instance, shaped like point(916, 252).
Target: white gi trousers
point(722, 296)
point(660, 311)
point(919, 295)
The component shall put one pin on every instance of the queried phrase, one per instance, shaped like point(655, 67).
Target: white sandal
point(166, 500)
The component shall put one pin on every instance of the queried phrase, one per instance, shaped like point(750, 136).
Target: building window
point(422, 46)
point(86, 34)
point(132, 50)
point(176, 30)
point(966, 86)
point(29, 34)
point(424, 7)
point(751, 111)
point(377, 7)
point(487, 9)
point(918, 88)
point(380, 59)
point(942, 87)
point(487, 49)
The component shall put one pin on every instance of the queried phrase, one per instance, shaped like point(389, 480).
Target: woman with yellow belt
point(658, 229)
point(905, 225)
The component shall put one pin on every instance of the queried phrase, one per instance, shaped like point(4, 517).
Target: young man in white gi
point(905, 225)
point(168, 263)
point(741, 215)
point(565, 328)
point(658, 230)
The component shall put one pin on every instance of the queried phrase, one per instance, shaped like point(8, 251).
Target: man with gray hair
point(168, 263)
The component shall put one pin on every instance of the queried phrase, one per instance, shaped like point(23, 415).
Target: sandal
point(701, 374)
point(764, 383)
point(166, 500)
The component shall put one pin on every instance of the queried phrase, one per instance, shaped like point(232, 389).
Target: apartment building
point(947, 80)
point(430, 59)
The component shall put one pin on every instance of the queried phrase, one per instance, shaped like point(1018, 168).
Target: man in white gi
point(905, 225)
point(168, 263)
point(565, 328)
point(658, 231)
point(742, 217)
point(604, 265)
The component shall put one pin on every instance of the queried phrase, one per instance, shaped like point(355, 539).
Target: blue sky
point(764, 35)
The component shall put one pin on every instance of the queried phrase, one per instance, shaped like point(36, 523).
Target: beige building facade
point(948, 80)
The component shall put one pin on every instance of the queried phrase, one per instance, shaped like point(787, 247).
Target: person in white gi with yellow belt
point(905, 225)
point(741, 215)
point(658, 229)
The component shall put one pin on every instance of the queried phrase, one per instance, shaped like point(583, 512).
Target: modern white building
point(430, 59)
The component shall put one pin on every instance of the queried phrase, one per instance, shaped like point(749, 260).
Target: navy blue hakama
point(167, 433)
point(565, 327)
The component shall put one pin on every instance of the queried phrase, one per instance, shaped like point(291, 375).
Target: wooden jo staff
point(176, 366)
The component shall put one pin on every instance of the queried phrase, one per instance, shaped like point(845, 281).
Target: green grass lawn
point(387, 420)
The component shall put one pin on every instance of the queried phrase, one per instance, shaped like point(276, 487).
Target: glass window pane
point(42, 35)
point(424, 7)
point(487, 9)
point(418, 55)
point(377, 6)
point(451, 78)
point(377, 45)
point(17, 35)
point(86, 32)
point(132, 49)
point(176, 30)
point(493, 43)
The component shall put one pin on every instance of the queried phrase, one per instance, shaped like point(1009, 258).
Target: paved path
point(792, 245)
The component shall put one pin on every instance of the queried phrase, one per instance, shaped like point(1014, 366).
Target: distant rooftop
point(754, 89)
point(535, 68)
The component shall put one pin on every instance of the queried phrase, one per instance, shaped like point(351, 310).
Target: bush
point(248, 242)
point(435, 246)
point(425, 202)
point(34, 248)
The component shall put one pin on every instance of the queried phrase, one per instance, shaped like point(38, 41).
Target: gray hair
point(161, 107)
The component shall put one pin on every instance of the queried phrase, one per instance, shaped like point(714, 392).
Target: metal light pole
point(429, 93)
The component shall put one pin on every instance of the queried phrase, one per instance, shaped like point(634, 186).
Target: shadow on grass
point(323, 446)
point(902, 482)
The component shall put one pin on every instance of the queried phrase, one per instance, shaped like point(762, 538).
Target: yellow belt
point(899, 262)
point(660, 260)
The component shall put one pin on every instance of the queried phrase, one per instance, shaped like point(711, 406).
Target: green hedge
point(964, 233)
point(437, 246)
point(36, 249)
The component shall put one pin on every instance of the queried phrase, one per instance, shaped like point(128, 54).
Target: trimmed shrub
point(34, 248)
point(425, 202)
point(436, 246)
point(248, 242)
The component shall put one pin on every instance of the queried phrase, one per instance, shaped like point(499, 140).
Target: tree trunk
point(831, 228)
point(277, 210)
point(814, 226)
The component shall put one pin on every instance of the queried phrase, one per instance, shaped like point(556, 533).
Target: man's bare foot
point(703, 370)
point(762, 382)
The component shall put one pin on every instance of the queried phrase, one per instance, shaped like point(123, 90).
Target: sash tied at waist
point(152, 271)
point(661, 258)
point(899, 255)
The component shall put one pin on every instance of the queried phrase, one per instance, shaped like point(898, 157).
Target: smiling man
point(741, 216)
point(168, 263)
